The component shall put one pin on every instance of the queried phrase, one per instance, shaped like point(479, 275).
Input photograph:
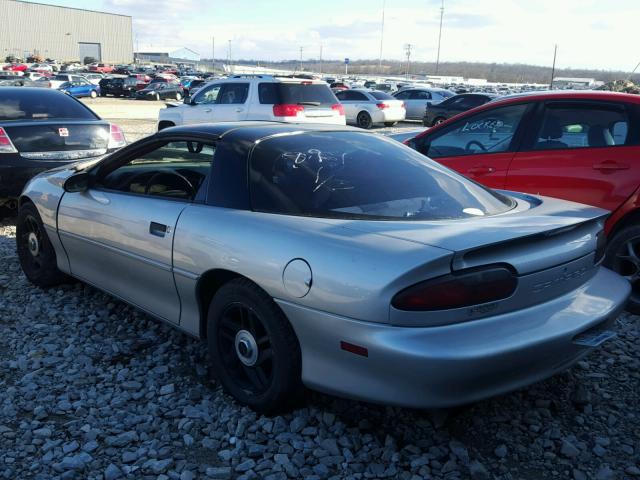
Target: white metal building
point(63, 33)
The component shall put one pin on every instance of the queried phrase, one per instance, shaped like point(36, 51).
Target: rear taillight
point(287, 109)
point(382, 106)
point(116, 137)
point(464, 289)
point(6, 145)
point(338, 107)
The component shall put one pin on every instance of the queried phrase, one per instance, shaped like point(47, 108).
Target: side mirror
point(78, 182)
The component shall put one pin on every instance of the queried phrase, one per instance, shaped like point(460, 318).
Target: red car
point(578, 146)
point(100, 68)
point(15, 67)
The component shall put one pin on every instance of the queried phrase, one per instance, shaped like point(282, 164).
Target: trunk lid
point(59, 139)
point(537, 234)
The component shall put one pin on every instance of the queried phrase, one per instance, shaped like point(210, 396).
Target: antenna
point(553, 68)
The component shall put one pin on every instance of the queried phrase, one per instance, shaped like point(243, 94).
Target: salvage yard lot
point(91, 388)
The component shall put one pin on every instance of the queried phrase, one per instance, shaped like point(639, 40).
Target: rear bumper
point(431, 367)
point(390, 115)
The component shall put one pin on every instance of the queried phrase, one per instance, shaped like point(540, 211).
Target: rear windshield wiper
point(314, 104)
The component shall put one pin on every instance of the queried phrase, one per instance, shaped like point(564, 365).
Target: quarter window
point(491, 131)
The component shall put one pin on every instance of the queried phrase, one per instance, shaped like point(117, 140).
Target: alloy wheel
point(33, 241)
point(245, 348)
point(626, 262)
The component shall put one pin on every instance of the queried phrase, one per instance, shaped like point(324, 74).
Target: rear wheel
point(363, 120)
point(253, 349)
point(35, 252)
point(158, 97)
point(390, 124)
point(623, 257)
point(93, 94)
point(178, 96)
point(102, 94)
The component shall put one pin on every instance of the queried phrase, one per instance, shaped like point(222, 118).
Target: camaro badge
point(63, 132)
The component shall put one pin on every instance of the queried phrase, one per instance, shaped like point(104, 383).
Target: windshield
point(381, 96)
point(357, 175)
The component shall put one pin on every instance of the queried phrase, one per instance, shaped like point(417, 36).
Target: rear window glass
point(272, 93)
point(64, 78)
point(355, 175)
point(381, 96)
point(33, 104)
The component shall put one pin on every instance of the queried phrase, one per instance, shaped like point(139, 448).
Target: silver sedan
point(366, 108)
point(330, 258)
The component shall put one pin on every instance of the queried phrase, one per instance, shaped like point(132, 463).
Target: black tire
point(38, 261)
point(103, 94)
point(163, 125)
point(390, 124)
point(437, 121)
point(363, 120)
point(273, 382)
point(158, 97)
point(623, 256)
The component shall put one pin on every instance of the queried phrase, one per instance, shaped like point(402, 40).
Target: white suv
point(257, 97)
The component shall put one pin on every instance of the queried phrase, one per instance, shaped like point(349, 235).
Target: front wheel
point(623, 257)
point(35, 252)
point(253, 349)
point(93, 94)
point(363, 120)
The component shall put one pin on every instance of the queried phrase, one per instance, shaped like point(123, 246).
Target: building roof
point(70, 8)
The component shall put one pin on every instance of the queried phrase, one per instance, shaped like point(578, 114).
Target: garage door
point(92, 50)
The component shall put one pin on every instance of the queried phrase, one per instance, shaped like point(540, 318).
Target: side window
point(207, 95)
point(357, 96)
point(582, 125)
point(403, 96)
point(487, 132)
point(420, 95)
point(233, 93)
point(339, 95)
point(173, 170)
point(268, 93)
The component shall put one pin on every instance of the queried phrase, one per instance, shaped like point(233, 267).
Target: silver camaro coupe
point(330, 258)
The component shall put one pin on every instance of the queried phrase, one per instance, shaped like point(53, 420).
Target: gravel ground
point(93, 389)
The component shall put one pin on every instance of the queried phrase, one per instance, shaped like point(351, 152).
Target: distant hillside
point(493, 72)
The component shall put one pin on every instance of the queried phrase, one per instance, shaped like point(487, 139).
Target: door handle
point(239, 110)
point(207, 110)
point(481, 170)
point(158, 229)
point(610, 166)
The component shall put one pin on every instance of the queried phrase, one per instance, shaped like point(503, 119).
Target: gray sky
point(594, 34)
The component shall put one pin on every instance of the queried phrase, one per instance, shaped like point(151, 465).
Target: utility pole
point(320, 59)
point(553, 68)
point(381, 37)
point(213, 54)
point(229, 55)
point(439, 37)
point(300, 65)
point(407, 49)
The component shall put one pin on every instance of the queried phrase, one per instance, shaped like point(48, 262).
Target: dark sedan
point(158, 90)
point(438, 113)
point(114, 86)
point(43, 128)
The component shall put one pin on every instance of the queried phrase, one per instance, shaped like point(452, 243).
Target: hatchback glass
point(296, 93)
point(355, 175)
